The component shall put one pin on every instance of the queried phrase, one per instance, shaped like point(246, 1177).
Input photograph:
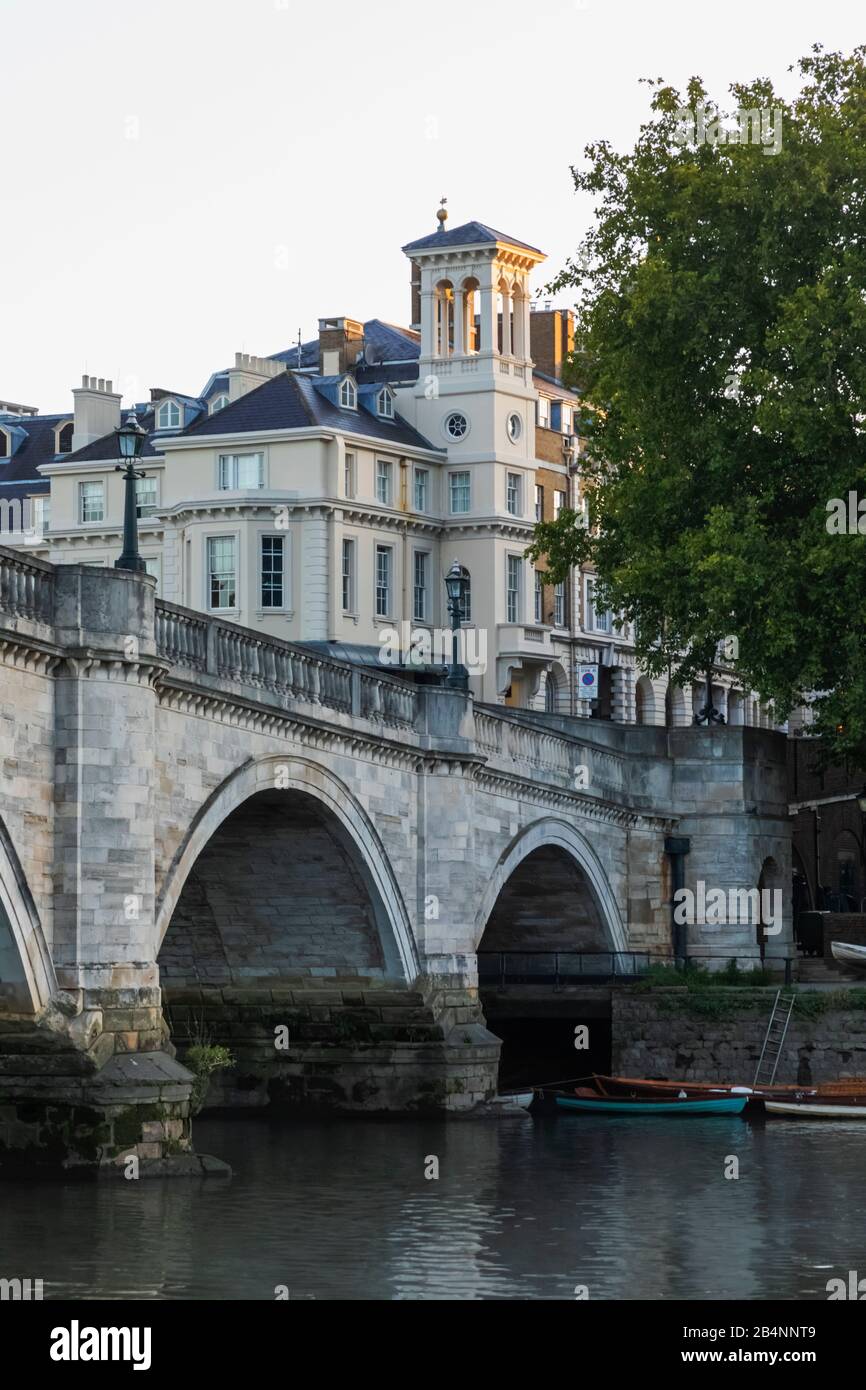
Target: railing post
point(210, 664)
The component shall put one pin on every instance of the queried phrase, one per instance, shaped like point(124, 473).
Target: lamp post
point(130, 439)
point(457, 587)
point(709, 714)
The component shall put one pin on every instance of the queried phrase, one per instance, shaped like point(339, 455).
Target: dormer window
point(219, 404)
point(348, 395)
point(168, 416)
point(385, 404)
point(64, 438)
point(4, 444)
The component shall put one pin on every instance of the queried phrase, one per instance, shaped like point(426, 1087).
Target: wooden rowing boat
point(592, 1103)
point(637, 1088)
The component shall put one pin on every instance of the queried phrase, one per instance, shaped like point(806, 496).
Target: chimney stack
point(341, 343)
point(97, 410)
point(551, 337)
point(250, 372)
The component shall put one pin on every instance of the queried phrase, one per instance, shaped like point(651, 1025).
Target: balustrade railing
point(26, 586)
point(205, 644)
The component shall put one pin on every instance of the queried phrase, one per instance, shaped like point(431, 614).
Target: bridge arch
point(27, 979)
point(282, 779)
point(555, 837)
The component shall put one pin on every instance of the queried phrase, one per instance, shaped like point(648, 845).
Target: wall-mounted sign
point(587, 682)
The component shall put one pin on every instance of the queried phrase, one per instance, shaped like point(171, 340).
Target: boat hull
point(727, 1105)
point(812, 1110)
point(847, 954)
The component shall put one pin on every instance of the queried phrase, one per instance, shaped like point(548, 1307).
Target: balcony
point(524, 639)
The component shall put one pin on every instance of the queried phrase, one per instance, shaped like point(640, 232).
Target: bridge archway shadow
point(287, 943)
point(550, 943)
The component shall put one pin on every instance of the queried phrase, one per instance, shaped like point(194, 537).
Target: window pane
point(348, 576)
point(421, 477)
point(272, 571)
point(145, 495)
point(383, 581)
point(459, 492)
point(91, 502)
point(222, 571)
point(513, 589)
point(421, 565)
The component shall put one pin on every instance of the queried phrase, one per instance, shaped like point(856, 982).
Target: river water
point(530, 1207)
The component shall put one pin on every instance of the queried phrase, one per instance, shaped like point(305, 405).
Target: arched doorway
point(770, 907)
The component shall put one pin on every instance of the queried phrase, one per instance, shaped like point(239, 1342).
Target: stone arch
point(676, 713)
point(27, 979)
point(555, 834)
point(555, 689)
point(443, 320)
point(769, 880)
point(470, 294)
point(645, 701)
point(334, 797)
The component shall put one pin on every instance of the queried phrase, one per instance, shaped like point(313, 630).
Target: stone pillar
point(105, 831)
point(459, 323)
point(623, 695)
point(506, 324)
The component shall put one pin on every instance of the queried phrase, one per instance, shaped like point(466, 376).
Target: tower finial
point(442, 214)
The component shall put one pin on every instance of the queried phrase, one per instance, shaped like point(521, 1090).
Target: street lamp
point(457, 587)
point(130, 439)
point(709, 714)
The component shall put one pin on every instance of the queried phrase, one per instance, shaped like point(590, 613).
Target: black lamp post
point(709, 714)
point(457, 587)
point(130, 439)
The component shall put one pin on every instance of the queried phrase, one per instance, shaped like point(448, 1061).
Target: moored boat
point(848, 954)
point(589, 1101)
point(816, 1108)
point(637, 1088)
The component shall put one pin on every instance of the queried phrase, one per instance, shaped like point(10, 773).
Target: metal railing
point(558, 969)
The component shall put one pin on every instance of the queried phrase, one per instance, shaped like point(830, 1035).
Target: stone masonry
point(199, 821)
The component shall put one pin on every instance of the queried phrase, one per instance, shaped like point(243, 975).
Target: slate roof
point(290, 401)
point(105, 449)
point(470, 234)
point(18, 475)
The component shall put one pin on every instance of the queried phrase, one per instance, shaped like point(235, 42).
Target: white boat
point(847, 954)
point(815, 1110)
point(523, 1099)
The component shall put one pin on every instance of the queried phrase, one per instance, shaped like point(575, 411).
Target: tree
point(721, 351)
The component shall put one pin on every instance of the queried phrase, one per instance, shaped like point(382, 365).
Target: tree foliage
point(721, 351)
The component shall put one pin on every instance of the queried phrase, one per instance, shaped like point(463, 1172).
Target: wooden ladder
point(777, 1028)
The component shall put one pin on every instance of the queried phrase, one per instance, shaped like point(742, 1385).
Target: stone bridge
point(208, 833)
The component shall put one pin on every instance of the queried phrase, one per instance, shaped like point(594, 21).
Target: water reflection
point(524, 1208)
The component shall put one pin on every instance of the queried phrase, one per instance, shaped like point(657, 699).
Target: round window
point(515, 428)
point(456, 425)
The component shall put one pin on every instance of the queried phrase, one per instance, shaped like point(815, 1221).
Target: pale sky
point(186, 179)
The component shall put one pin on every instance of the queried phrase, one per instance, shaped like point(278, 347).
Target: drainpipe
point(677, 847)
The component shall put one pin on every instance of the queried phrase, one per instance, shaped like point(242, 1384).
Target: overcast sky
point(185, 179)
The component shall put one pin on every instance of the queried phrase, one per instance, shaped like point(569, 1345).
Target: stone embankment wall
point(717, 1034)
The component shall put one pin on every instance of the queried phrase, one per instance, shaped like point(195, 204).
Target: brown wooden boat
point(637, 1087)
point(851, 1091)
